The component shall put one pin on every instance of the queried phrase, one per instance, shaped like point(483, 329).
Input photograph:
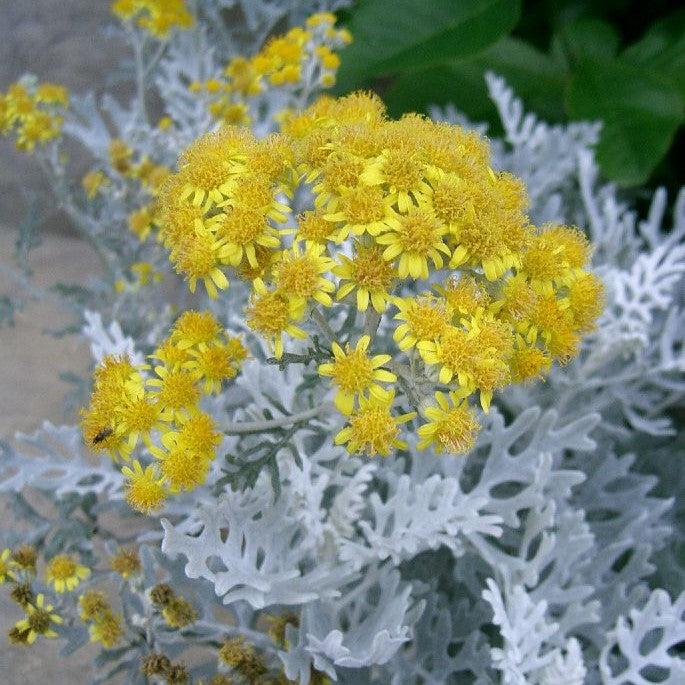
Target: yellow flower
point(370, 274)
point(125, 562)
point(455, 351)
point(312, 227)
point(554, 257)
point(354, 373)
point(424, 318)
point(92, 604)
point(528, 363)
point(586, 301)
point(38, 621)
point(241, 230)
point(176, 391)
point(197, 434)
point(415, 238)
point(5, 566)
point(145, 490)
point(197, 258)
point(452, 425)
point(193, 328)
point(298, 275)
point(107, 629)
point(65, 573)
point(402, 171)
point(182, 469)
point(372, 429)
point(464, 295)
point(137, 417)
point(213, 364)
point(360, 209)
point(92, 182)
point(271, 314)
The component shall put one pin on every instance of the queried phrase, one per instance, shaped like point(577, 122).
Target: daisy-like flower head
point(360, 209)
point(92, 605)
point(414, 239)
point(197, 258)
point(6, 566)
point(312, 227)
point(464, 295)
point(299, 275)
point(193, 328)
point(176, 391)
point(586, 301)
point(125, 562)
point(197, 434)
point(372, 428)
point(368, 273)
point(455, 352)
point(212, 364)
point(451, 425)
point(401, 170)
point(107, 630)
point(65, 573)
point(423, 318)
point(354, 372)
point(528, 362)
point(241, 230)
point(145, 490)
point(271, 314)
point(137, 417)
point(181, 468)
point(38, 621)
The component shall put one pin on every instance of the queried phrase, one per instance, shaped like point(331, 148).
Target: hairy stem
point(243, 427)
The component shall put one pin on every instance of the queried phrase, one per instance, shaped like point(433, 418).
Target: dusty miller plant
point(549, 553)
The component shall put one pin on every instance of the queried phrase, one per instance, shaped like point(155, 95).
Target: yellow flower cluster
point(395, 203)
point(157, 17)
point(302, 58)
point(105, 625)
point(161, 409)
point(33, 113)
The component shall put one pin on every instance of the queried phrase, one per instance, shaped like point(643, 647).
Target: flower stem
point(242, 427)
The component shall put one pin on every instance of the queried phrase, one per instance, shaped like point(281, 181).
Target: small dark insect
point(102, 435)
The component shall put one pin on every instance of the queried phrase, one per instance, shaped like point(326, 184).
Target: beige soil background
point(63, 41)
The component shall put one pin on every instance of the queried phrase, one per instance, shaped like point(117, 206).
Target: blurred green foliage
point(621, 62)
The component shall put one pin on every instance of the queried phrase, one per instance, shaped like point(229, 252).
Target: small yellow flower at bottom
point(65, 573)
point(38, 621)
point(450, 427)
point(372, 428)
point(145, 489)
point(5, 566)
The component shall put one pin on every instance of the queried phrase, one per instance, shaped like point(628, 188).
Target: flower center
point(370, 270)
point(353, 373)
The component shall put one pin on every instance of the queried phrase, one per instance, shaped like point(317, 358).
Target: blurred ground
point(63, 41)
point(57, 40)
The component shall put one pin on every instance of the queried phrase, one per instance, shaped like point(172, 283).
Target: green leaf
point(394, 35)
point(588, 37)
point(662, 49)
point(534, 76)
point(640, 113)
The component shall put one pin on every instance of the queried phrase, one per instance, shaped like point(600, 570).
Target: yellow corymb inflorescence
point(157, 17)
point(33, 113)
point(159, 405)
point(304, 58)
point(408, 222)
